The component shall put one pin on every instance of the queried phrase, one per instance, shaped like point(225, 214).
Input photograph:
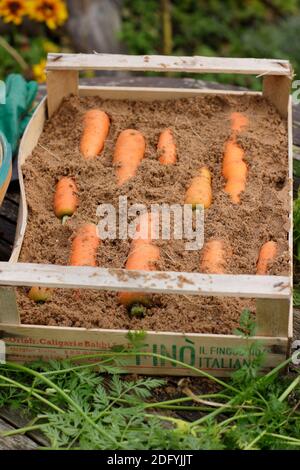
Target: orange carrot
point(234, 170)
point(40, 294)
point(65, 198)
point(84, 246)
point(213, 257)
point(83, 253)
point(238, 121)
point(266, 256)
point(167, 148)
point(143, 255)
point(95, 131)
point(128, 154)
point(200, 191)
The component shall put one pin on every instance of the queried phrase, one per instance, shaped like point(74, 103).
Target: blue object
point(5, 165)
point(16, 112)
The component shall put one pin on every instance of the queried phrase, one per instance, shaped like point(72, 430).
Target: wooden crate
point(217, 354)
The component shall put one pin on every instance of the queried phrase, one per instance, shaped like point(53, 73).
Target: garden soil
point(201, 126)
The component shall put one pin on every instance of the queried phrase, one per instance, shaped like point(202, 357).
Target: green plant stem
point(293, 440)
point(252, 443)
point(273, 372)
point(166, 27)
point(184, 399)
point(115, 400)
point(213, 414)
point(160, 356)
point(23, 430)
point(167, 418)
point(28, 390)
point(72, 369)
point(14, 54)
point(238, 417)
point(289, 389)
point(64, 395)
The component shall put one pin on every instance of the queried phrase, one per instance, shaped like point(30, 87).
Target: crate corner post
point(8, 306)
point(277, 88)
point(273, 317)
point(60, 84)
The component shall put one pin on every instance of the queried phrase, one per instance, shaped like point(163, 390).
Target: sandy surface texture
point(201, 126)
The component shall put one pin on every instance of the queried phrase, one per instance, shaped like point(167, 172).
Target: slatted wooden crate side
point(63, 71)
point(216, 354)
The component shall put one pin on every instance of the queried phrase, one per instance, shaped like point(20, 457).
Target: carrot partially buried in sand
point(234, 170)
point(65, 198)
point(167, 148)
point(213, 257)
point(143, 255)
point(95, 131)
point(84, 246)
point(266, 256)
point(128, 154)
point(200, 190)
point(238, 121)
point(40, 294)
point(83, 253)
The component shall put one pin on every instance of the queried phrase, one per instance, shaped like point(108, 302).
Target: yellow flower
point(50, 46)
point(52, 12)
point(13, 11)
point(39, 71)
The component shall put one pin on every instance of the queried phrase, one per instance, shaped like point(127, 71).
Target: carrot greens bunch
point(95, 406)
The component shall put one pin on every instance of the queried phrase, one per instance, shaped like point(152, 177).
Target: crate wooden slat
point(160, 63)
point(244, 286)
point(215, 353)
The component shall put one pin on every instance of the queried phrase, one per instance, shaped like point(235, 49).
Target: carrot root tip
point(65, 219)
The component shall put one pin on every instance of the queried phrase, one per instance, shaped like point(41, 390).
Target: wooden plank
point(296, 139)
point(277, 90)
point(291, 204)
point(217, 354)
point(275, 318)
point(291, 215)
point(9, 210)
point(272, 317)
point(159, 81)
point(18, 420)
point(59, 85)
point(32, 133)
point(5, 185)
point(28, 142)
point(7, 230)
point(27, 274)
point(8, 306)
point(18, 442)
point(148, 94)
point(296, 323)
point(160, 63)
point(296, 113)
point(13, 195)
point(5, 250)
